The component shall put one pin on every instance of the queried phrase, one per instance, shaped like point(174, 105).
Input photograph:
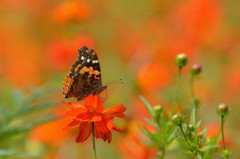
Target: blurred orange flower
point(93, 112)
point(71, 10)
point(193, 24)
point(58, 54)
point(152, 76)
point(61, 52)
point(51, 133)
point(132, 146)
point(232, 81)
point(213, 129)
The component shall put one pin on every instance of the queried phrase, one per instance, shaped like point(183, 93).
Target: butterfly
point(85, 76)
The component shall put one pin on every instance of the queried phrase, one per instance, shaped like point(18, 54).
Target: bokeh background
point(135, 40)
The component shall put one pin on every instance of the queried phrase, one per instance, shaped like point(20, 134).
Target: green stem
point(222, 123)
point(159, 129)
point(195, 105)
point(162, 153)
point(192, 87)
point(192, 96)
point(93, 140)
point(177, 89)
point(183, 133)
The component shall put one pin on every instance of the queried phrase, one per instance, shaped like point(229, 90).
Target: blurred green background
point(136, 41)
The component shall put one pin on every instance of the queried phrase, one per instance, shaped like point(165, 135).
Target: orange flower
point(50, 133)
point(213, 129)
point(134, 145)
point(93, 112)
point(72, 10)
point(153, 76)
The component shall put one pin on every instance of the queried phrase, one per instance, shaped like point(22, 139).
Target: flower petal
point(102, 126)
point(74, 123)
point(102, 129)
point(105, 136)
point(74, 113)
point(94, 103)
point(116, 111)
point(89, 117)
point(72, 105)
point(117, 129)
point(84, 131)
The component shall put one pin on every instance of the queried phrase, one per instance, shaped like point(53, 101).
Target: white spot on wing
point(82, 58)
point(95, 61)
point(88, 60)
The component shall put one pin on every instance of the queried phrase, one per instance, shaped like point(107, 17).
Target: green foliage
point(190, 134)
point(164, 133)
point(225, 153)
point(19, 113)
point(196, 143)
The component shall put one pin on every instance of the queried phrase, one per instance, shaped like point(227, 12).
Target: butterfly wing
point(85, 75)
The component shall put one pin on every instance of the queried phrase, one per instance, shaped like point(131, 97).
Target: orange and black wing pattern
point(85, 76)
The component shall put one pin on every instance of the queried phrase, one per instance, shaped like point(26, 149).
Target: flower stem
point(222, 123)
point(195, 105)
point(177, 89)
point(192, 87)
point(93, 140)
point(162, 153)
point(183, 133)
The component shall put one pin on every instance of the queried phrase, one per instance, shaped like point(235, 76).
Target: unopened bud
point(181, 60)
point(222, 109)
point(195, 101)
point(196, 69)
point(190, 127)
point(177, 119)
point(158, 109)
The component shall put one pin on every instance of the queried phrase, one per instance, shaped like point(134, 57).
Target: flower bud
point(158, 109)
point(226, 153)
point(181, 60)
point(195, 101)
point(196, 69)
point(190, 127)
point(222, 109)
point(177, 119)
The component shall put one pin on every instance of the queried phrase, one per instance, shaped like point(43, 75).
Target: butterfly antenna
point(119, 81)
point(106, 96)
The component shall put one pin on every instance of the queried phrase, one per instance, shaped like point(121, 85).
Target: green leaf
point(209, 147)
point(225, 153)
point(150, 122)
point(17, 98)
point(193, 116)
point(172, 135)
point(157, 138)
point(145, 131)
point(27, 109)
point(199, 156)
point(164, 127)
point(4, 152)
point(204, 132)
point(148, 106)
point(10, 132)
point(197, 126)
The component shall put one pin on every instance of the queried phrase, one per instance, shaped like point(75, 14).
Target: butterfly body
point(85, 76)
